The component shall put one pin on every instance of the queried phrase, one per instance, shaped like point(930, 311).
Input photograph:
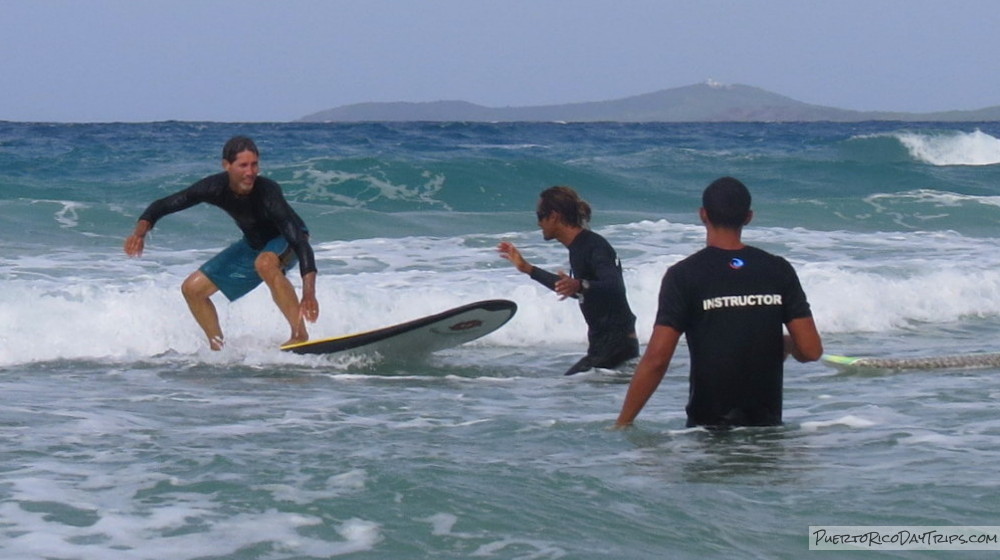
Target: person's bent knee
point(197, 286)
point(266, 264)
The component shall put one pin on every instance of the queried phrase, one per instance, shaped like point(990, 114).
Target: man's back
point(732, 305)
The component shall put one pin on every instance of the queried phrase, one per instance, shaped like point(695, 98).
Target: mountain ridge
point(705, 102)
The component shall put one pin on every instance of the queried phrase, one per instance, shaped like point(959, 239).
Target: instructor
point(732, 302)
point(274, 237)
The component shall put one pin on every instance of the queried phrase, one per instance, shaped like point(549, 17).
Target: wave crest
point(953, 148)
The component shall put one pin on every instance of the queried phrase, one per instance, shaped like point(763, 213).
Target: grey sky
point(263, 60)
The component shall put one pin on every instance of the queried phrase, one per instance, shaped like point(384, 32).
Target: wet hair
point(727, 203)
point(237, 145)
point(574, 210)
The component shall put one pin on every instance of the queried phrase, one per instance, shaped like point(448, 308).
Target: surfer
point(595, 278)
point(274, 237)
point(730, 300)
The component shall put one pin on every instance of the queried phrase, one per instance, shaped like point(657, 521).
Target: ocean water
point(122, 436)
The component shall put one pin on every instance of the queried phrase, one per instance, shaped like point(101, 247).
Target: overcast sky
point(278, 60)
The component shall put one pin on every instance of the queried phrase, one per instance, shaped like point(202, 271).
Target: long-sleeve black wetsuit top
point(261, 215)
point(604, 304)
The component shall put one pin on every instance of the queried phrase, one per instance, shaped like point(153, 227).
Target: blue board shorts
point(233, 272)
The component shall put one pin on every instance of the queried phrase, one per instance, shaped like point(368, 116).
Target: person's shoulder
point(690, 263)
point(765, 255)
point(697, 256)
point(593, 239)
point(758, 250)
point(268, 189)
point(266, 182)
point(213, 183)
point(771, 261)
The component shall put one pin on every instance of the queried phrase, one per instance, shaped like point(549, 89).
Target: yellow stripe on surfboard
point(319, 340)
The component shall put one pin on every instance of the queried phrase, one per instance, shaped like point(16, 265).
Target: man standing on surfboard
point(731, 301)
point(595, 278)
point(274, 236)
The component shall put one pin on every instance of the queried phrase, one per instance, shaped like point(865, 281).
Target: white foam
point(953, 148)
point(931, 197)
point(324, 184)
point(850, 421)
point(441, 523)
point(63, 306)
point(120, 531)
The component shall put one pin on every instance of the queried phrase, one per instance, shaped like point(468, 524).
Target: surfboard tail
point(835, 360)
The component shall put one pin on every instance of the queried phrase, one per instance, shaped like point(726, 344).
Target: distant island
point(705, 102)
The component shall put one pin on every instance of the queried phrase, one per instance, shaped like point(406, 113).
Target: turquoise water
point(124, 437)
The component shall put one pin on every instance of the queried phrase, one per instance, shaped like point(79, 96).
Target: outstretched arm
point(508, 251)
point(649, 373)
point(196, 193)
point(555, 282)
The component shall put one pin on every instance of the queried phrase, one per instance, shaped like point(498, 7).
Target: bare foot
point(300, 335)
point(216, 343)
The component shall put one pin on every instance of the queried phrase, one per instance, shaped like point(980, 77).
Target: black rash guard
point(731, 306)
point(610, 322)
point(261, 215)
